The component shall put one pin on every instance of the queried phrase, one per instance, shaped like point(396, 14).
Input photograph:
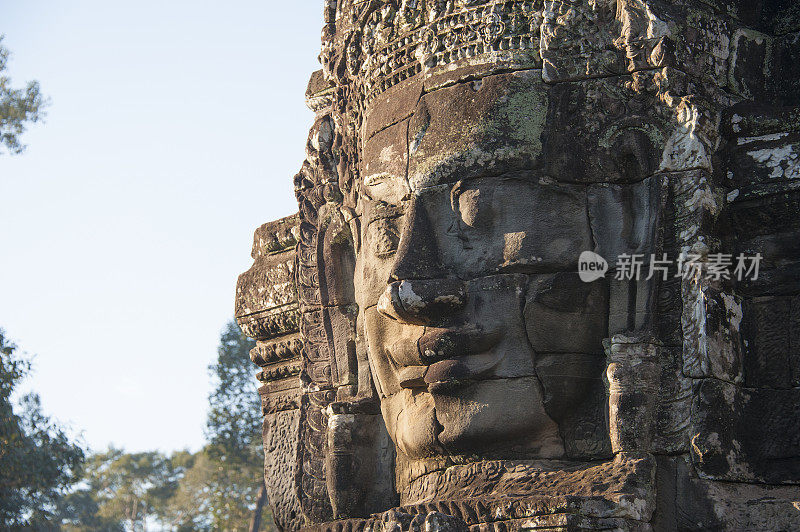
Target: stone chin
point(489, 417)
point(497, 417)
point(411, 422)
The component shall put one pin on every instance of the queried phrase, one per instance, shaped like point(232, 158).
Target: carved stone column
point(633, 382)
point(267, 310)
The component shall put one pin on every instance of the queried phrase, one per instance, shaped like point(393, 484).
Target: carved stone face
point(481, 337)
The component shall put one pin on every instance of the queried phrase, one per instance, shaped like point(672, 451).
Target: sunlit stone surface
point(432, 359)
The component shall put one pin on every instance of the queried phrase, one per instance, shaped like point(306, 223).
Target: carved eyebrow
point(382, 210)
point(523, 176)
point(373, 180)
point(499, 179)
point(376, 179)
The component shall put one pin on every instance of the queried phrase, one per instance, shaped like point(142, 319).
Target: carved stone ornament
point(437, 353)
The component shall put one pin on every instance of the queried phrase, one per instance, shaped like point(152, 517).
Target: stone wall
point(268, 311)
point(636, 126)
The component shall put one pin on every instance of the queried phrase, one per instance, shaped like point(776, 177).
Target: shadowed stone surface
point(432, 359)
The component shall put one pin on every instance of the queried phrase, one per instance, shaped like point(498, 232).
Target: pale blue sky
point(174, 131)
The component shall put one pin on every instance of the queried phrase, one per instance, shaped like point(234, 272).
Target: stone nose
point(418, 254)
point(419, 291)
point(422, 301)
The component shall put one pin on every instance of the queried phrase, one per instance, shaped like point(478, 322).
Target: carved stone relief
point(432, 358)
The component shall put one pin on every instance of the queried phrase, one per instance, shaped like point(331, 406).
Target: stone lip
point(451, 357)
point(455, 342)
point(446, 374)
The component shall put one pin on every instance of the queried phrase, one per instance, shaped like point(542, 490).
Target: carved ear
point(624, 220)
point(337, 254)
point(418, 126)
point(634, 155)
point(346, 455)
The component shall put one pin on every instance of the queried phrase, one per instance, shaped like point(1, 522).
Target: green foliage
point(18, 107)
point(215, 495)
point(80, 511)
point(233, 428)
point(184, 491)
point(38, 462)
point(217, 488)
point(122, 491)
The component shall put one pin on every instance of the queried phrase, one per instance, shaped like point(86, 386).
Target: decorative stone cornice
point(286, 348)
point(266, 294)
point(444, 33)
point(275, 237)
point(267, 324)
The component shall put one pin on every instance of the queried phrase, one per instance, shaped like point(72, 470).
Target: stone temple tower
point(544, 274)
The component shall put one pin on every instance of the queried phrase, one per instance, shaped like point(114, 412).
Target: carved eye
point(474, 206)
point(383, 237)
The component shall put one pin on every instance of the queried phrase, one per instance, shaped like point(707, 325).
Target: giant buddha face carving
point(481, 337)
point(464, 155)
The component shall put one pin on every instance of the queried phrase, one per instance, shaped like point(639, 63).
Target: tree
point(221, 487)
point(18, 107)
point(124, 491)
point(215, 495)
point(234, 418)
point(233, 428)
point(80, 511)
point(38, 461)
point(224, 487)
